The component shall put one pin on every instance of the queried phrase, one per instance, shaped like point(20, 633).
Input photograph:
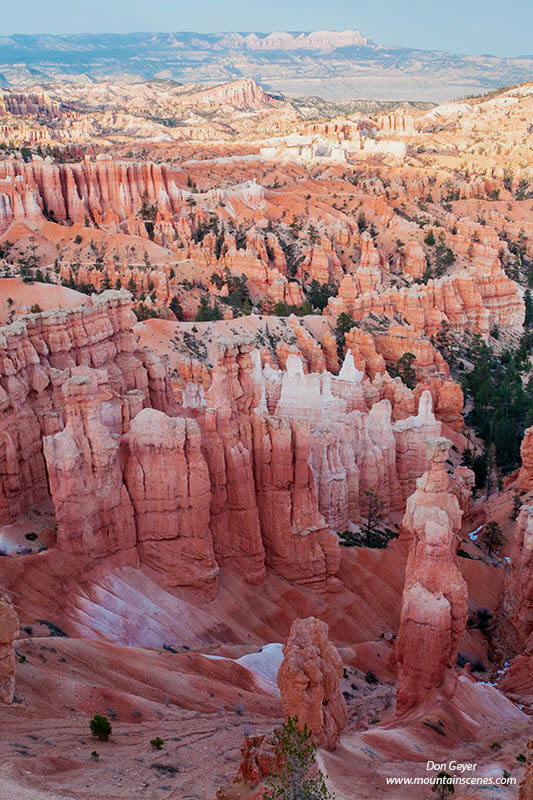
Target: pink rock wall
point(256, 467)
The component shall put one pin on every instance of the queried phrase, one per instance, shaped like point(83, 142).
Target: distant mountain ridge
point(335, 65)
point(277, 40)
point(315, 40)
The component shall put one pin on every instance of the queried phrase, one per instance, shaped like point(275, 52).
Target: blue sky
point(460, 26)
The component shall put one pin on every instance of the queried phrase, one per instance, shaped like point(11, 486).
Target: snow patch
point(474, 535)
point(265, 663)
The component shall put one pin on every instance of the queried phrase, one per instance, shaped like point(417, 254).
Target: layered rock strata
point(93, 509)
point(37, 356)
point(525, 476)
point(262, 465)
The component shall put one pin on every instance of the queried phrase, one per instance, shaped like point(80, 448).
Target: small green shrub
point(157, 743)
point(100, 727)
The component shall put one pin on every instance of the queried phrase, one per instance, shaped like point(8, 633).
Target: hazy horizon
point(266, 32)
point(473, 28)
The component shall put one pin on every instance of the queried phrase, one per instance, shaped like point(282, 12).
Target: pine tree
point(406, 370)
point(100, 727)
point(298, 777)
point(176, 308)
point(374, 513)
point(491, 466)
point(529, 309)
point(492, 536)
point(443, 785)
point(517, 505)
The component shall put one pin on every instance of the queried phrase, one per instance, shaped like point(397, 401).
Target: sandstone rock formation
point(243, 93)
point(308, 680)
point(9, 629)
point(254, 434)
point(525, 477)
point(298, 544)
point(168, 482)
point(37, 355)
point(355, 447)
point(479, 296)
point(201, 469)
point(258, 761)
point(181, 510)
point(227, 440)
point(104, 191)
point(435, 601)
point(414, 260)
point(517, 601)
point(93, 509)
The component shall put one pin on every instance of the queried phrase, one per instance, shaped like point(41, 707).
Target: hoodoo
point(308, 680)
point(435, 596)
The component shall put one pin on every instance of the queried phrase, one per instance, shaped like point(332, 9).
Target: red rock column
point(525, 477)
point(298, 545)
point(435, 599)
point(308, 681)
point(168, 482)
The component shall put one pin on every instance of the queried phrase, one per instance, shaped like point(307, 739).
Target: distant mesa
point(315, 40)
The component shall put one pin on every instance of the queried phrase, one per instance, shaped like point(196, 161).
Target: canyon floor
point(203, 707)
